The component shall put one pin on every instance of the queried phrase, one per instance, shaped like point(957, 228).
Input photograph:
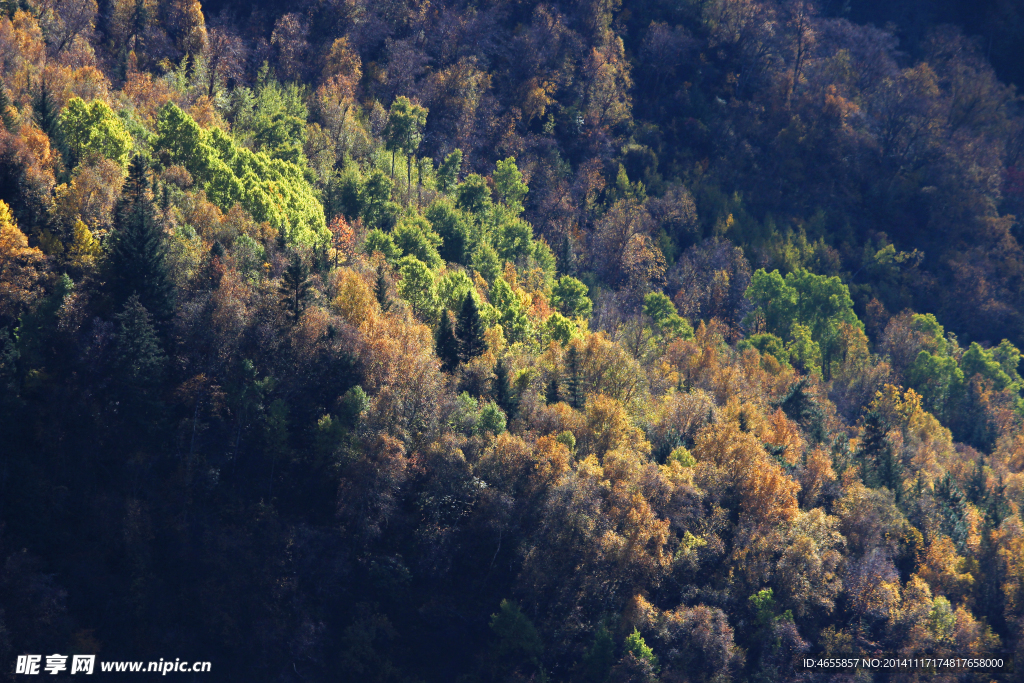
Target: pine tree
point(574, 381)
point(881, 465)
point(551, 391)
point(137, 262)
point(294, 287)
point(381, 290)
point(7, 111)
point(139, 367)
point(446, 344)
point(469, 329)
point(998, 507)
point(598, 660)
point(799, 405)
point(45, 113)
point(976, 488)
point(448, 171)
point(953, 506)
point(504, 394)
point(140, 359)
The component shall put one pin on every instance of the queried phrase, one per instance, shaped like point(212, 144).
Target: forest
point(568, 341)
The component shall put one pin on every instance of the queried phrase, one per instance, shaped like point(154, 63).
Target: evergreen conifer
point(7, 110)
point(294, 287)
point(137, 262)
point(380, 289)
point(446, 344)
point(469, 329)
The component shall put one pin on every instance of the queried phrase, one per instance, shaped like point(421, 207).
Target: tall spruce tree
point(380, 289)
point(46, 113)
point(446, 344)
point(504, 394)
point(139, 367)
point(137, 261)
point(7, 111)
point(469, 329)
point(552, 393)
point(574, 379)
point(294, 287)
point(880, 464)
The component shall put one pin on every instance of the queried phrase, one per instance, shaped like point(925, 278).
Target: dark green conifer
point(45, 112)
point(137, 261)
point(800, 406)
point(294, 287)
point(7, 111)
point(140, 358)
point(139, 367)
point(448, 171)
point(598, 660)
point(976, 488)
point(881, 465)
point(381, 289)
point(446, 344)
point(504, 394)
point(551, 391)
point(574, 380)
point(469, 329)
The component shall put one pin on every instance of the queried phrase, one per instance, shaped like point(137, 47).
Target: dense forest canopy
point(508, 341)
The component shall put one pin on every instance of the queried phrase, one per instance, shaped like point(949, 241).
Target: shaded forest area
point(511, 341)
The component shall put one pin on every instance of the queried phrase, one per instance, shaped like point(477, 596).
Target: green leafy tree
point(818, 303)
point(804, 351)
point(404, 130)
point(508, 181)
point(937, 378)
point(378, 241)
point(559, 328)
point(94, 128)
point(276, 123)
point(662, 312)
point(513, 240)
point(137, 257)
point(452, 289)
point(271, 189)
point(487, 263)
point(378, 209)
point(453, 227)
point(492, 419)
point(999, 365)
point(474, 197)
point(768, 344)
point(569, 296)
point(417, 287)
point(636, 646)
point(414, 237)
point(512, 313)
